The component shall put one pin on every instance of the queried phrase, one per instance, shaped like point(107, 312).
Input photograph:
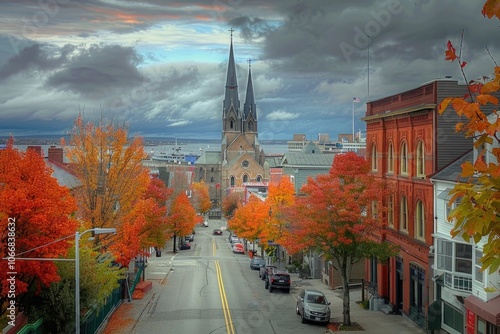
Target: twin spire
point(231, 99)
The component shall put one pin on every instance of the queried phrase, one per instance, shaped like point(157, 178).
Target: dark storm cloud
point(34, 58)
point(98, 70)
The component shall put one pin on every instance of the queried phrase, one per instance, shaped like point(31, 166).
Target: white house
point(469, 298)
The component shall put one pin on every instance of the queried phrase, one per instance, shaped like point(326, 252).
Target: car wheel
point(297, 309)
point(303, 319)
point(287, 290)
point(266, 285)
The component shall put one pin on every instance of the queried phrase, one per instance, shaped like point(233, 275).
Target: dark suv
point(278, 279)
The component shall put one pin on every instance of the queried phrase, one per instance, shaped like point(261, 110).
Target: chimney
point(56, 154)
point(36, 149)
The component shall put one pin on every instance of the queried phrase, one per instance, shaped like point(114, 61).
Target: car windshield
point(316, 299)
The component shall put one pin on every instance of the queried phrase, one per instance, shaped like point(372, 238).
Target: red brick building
point(407, 142)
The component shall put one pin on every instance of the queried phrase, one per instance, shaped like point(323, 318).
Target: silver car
point(312, 305)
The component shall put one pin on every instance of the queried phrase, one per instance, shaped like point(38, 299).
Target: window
point(259, 178)
point(390, 158)
point(250, 126)
point(420, 221)
point(245, 178)
point(390, 210)
point(420, 159)
point(477, 266)
point(444, 255)
point(404, 159)
point(374, 157)
point(231, 124)
point(232, 181)
point(374, 209)
point(245, 164)
point(212, 179)
point(463, 259)
point(456, 259)
point(212, 169)
point(403, 214)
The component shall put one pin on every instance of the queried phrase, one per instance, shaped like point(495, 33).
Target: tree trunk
point(346, 298)
point(175, 243)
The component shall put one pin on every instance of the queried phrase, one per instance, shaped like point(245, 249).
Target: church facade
point(241, 159)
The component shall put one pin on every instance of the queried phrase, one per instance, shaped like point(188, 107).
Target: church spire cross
point(231, 30)
point(249, 60)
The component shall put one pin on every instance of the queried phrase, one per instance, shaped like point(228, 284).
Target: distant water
point(185, 148)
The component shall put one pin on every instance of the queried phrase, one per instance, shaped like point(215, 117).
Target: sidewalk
point(373, 322)
point(125, 318)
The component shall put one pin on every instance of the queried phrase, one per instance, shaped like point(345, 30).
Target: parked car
point(257, 262)
point(263, 271)
point(205, 223)
point(238, 248)
point(313, 305)
point(278, 279)
point(217, 231)
point(185, 245)
point(234, 239)
point(189, 237)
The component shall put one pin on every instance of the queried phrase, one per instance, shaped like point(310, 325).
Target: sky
point(159, 66)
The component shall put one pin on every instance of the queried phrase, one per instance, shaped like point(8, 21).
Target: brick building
point(407, 142)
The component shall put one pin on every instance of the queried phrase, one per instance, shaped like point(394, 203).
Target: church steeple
point(249, 108)
point(231, 93)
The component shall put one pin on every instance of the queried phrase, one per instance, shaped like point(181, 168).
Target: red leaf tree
point(36, 211)
point(337, 215)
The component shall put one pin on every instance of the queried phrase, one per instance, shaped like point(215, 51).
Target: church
point(241, 159)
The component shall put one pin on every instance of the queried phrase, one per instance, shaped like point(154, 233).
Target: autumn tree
point(36, 222)
point(230, 203)
point(280, 199)
point(113, 179)
point(251, 221)
point(200, 197)
point(477, 216)
point(335, 217)
point(182, 217)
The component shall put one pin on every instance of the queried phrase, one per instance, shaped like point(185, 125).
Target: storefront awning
point(489, 311)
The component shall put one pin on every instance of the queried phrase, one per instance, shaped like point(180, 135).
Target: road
point(212, 291)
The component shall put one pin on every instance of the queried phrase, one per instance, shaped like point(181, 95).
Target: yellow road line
point(223, 299)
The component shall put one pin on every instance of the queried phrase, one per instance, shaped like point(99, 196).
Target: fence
point(94, 318)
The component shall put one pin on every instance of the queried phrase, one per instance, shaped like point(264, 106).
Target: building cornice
point(399, 112)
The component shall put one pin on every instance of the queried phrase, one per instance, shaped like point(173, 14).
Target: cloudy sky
point(160, 65)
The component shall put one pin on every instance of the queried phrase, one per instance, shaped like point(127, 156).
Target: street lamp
point(77, 269)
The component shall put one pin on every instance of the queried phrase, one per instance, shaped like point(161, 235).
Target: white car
point(205, 224)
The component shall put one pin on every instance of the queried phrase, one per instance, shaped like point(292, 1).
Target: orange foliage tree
point(281, 197)
point(334, 217)
point(34, 213)
point(113, 179)
point(182, 217)
point(251, 221)
point(200, 197)
point(477, 216)
point(231, 202)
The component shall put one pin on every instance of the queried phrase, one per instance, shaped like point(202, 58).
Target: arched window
point(374, 157)
point(420, 159)
point(212, 179)
point(390, 210)
point(403, 214)
point(390, 158)
point(404, 158)
point(420, 221)
point(212, 169)
point(231, 124)
point(232, 181)
point(250, 126)
point(259, 178)
point(245, 178)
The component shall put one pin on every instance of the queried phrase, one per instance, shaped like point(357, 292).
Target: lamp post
point(77, 269)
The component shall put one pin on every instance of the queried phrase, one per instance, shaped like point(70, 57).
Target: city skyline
point(160, 68)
